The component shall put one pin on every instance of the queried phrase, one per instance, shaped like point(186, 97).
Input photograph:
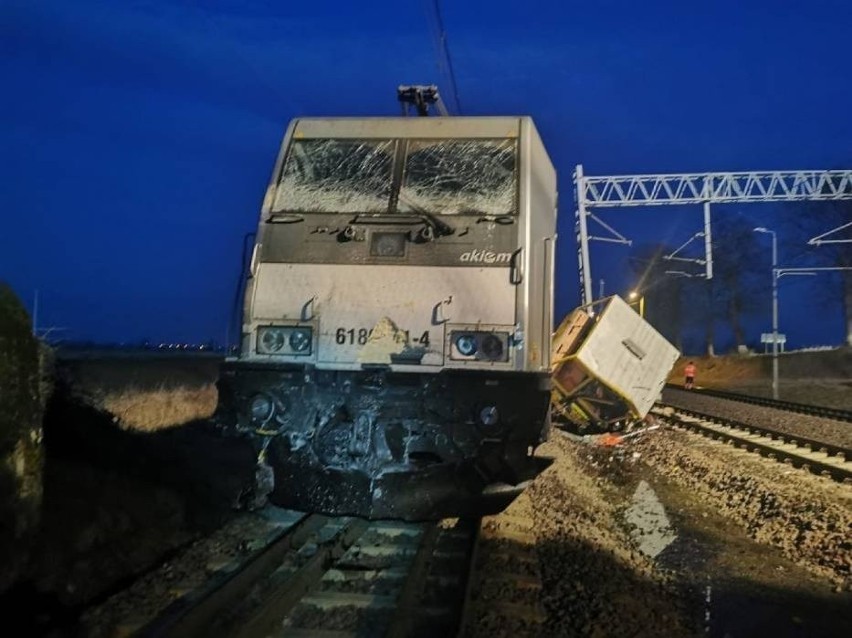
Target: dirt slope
point(822, 378)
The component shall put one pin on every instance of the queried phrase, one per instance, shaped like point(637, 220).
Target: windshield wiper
point(503, 220)
point(281, 217)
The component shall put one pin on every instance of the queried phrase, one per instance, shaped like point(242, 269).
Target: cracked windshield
point(441, 177)
point(336, 176)
point(459, 176)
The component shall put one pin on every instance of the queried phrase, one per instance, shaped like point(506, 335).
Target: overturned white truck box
point(609, 366)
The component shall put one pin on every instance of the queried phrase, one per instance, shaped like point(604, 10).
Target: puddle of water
point(741, 589)
point(651, 528)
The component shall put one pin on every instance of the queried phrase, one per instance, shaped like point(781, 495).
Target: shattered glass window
point(336, 176)
point(459, 176)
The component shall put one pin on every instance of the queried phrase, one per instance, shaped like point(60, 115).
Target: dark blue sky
point(139, 136)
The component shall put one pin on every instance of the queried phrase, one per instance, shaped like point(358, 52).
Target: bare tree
point(734, 292)
point(817, 219)
point(662, 293)
point(738, 283)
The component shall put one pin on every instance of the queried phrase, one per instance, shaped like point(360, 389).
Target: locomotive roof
point(396, 127)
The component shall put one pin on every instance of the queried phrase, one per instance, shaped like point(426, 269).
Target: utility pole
point(774, 317)
point(775, 276)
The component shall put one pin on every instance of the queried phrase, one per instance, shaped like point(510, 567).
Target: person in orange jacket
point(689, 384)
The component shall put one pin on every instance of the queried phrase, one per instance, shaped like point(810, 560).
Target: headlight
point(292, 340)
point(489, 415)
point(261, 408)
point(466, 344)
point(270, 339)
point(479, 345)
point(300, 339)
point(492, 347)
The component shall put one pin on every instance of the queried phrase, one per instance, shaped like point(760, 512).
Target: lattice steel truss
point(693, 188)
point(697, 188)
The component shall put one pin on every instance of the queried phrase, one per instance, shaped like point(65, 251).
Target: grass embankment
point(146, 395)
point(24, 389)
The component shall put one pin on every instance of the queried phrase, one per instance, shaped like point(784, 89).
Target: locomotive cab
point(395, 350)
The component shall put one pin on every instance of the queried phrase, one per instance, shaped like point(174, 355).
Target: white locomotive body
point(398, 314)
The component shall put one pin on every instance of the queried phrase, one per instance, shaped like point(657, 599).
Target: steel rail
point(191, 614)
point(407, 577)
point(431, 601)
point(413, 590)
point(788, 406)
point(765, 441)
point(283, 597)
point(403, 618)
point(470, 579)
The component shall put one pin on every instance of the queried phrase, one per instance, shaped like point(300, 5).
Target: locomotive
point(397, 316)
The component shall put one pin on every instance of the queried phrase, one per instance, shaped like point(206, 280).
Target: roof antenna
point(421, 97)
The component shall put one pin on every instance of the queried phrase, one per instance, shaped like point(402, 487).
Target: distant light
point(633, 294)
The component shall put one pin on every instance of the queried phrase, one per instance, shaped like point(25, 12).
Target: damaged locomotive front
point(395, 355)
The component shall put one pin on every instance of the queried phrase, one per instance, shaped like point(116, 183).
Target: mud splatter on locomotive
point(395, 353)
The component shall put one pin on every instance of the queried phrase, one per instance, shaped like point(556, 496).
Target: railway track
point(332, 578)
point(337, 577)
point(815, 456)
point(789, 406)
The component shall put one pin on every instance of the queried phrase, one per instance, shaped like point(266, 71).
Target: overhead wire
point(442, 51)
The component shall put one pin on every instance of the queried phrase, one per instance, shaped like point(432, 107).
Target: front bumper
point(390, 445)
